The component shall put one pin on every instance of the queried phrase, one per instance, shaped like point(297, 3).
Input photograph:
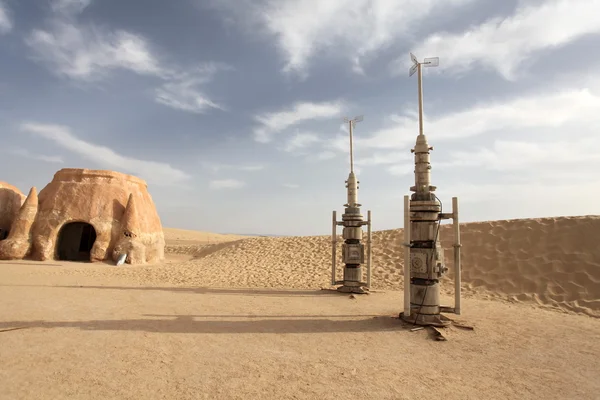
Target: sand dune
point(552, 262)
point(547, 262)
point(176, 237)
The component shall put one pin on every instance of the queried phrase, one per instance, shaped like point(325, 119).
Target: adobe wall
point(99, 197)
point(11, 200)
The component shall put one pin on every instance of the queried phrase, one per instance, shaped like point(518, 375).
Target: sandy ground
point(96, 338)
point(244, 318)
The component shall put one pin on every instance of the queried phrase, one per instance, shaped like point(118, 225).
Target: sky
point(232, 110)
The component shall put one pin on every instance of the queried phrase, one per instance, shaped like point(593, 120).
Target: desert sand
point(232, 317)
point(181, 237)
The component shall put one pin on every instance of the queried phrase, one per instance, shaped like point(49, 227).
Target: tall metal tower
point(423, 258)
point(353, 251)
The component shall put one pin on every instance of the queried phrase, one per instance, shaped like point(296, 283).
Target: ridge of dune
point(551, 262)
point(174, 236)
point(183, 244)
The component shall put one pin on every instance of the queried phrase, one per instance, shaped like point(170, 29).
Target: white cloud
point(291, 185)
point(353, 29)
point(87, 53)
point(151, 171)
point(325, 155)
point(275, 122)
point(27, 154)
point(402, 162)
point(542, 110)
point(320, 155)
point(6, 24)
point(384, 158)
point(340, 143)
point(252, 167)
point(535, 199)
point(537, 191)
point(303, 144)
point(301, 140)
point(216, 167)
point(403, 169)
point(551, 131)
point(505, 44)
point(183, 92)
point(522, 155)
point(226, 184)
point(70, 7)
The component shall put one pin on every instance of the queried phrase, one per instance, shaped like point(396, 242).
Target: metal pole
point(406, 256)
point(420, 84)
point(369, 254)
point(351, 148)
point(333, 247)
point(457, 266)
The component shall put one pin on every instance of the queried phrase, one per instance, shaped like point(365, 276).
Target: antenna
point(353, 251)
point(351, 123)
point(427, 62)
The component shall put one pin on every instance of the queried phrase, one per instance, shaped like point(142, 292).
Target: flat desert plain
point(232, 317)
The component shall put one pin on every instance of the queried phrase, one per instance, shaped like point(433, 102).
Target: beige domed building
point(82, 215)
point(11, 200)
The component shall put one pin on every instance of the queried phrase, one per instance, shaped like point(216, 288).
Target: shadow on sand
point(195, 324)
point(209, 290)
point(37, 264)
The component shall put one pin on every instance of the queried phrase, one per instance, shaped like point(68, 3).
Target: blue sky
point(232, 110)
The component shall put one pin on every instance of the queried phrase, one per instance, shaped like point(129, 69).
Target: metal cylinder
point(457, 265)
point(420, 87)
point(352, 274)
point(406, 256)
point(369, 254)
point(352, 214)
point(352, 233)
point(333, 246)
point(352, 186)
point(425, 299)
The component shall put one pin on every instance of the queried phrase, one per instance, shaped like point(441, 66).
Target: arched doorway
point(75, 241)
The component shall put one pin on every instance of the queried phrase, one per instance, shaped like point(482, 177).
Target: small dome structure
point(11, 200)
point(90, 215)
